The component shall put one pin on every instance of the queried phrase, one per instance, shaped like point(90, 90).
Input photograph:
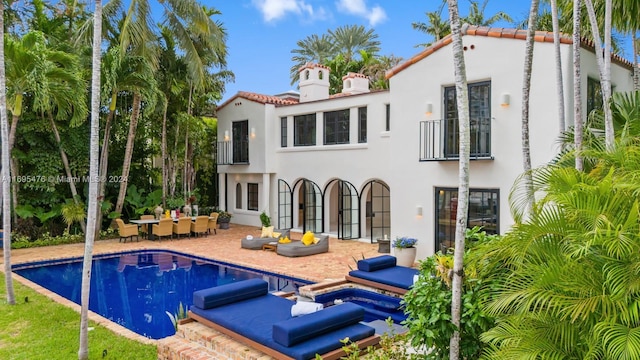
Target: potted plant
point(405, 250)
point(265, 219)
point(223, 219)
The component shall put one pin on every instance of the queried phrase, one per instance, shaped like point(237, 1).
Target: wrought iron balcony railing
point(232, 152)
point(440, 139)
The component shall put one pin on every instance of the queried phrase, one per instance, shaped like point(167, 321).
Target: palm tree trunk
point(577, 80)
point(636, 70)
point(14, 186)
point(83, 351)
point(165, 171)
point(604, 65)
point(463, 174)
point(104, 162)
point(526, 90)
point(14, 123)
point(65, 163)
point(559, 81)
point(6, 171)
point(128, 152)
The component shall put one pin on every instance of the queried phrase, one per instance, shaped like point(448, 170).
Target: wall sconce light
point(419, 212)
point(226, 135)
point(428, 109)
point(253, 133)
point(505, 100)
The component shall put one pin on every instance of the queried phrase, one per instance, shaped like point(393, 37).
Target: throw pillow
point(267, 231)
point(284, 240)
point(307, 238)
point(315, 240)
point(276, 235)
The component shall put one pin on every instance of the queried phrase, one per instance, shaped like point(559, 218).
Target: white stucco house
point(363, 164)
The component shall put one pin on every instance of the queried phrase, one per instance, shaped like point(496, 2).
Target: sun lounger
point(382, 273)
point(246, 312)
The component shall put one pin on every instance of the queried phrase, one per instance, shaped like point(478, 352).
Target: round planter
point(405, 256)
point(224, 224)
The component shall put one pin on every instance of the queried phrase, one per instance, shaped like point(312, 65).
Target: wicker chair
point(182, 227)
point(144, 228)
point(213, 223)
point(127, 230)
point(163, 228)
point(200, 225)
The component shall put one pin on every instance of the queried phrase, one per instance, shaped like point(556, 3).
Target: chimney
point(354, 83)
point(314, 82)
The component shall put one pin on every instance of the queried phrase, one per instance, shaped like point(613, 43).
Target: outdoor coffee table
point(272, 246)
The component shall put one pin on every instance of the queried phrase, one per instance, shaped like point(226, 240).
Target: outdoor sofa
point(256, 243)
point(381, 272)
point(248, 313)
point(297, 248)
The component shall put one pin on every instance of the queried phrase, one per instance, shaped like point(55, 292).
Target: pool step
point(194, 341)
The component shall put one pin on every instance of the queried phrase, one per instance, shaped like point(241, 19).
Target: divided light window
point(240, 142)
point(283, 131)
point(336, 127)
point(479, 120)
point(483, 211)
point(304, 130)
point(362, 125)
point(252, 196)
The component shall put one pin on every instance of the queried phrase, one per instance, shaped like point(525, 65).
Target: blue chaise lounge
point(381, 272)
point(248, 313)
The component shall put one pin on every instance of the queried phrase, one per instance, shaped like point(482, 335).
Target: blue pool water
point(377, 306)
point(134, 289)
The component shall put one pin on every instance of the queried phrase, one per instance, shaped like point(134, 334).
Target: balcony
point(439, 139)
point(232, 152)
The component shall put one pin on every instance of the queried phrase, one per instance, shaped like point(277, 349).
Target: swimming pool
point(134, 289)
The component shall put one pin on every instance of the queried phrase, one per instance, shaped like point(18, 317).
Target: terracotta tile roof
point(260, 98)
point(540, 36)
point(351, 75)
point(311, 65)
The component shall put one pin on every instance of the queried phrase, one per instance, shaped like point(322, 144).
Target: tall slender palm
point(83, 349)
point(350, 39)
point(6, 173)
point(462, 98)
point(526, 90)
point(477, 17)
point(193, 29)
point(313, 48)
point(436, 25)
point(577, 84)
point(558, 57)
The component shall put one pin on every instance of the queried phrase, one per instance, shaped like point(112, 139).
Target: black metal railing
point(232, 152)
point(440, 139)
point(223, 153)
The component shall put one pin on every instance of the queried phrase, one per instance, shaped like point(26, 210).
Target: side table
point(384, 246)
point(272, 246)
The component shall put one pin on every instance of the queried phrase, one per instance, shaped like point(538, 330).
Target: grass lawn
point(43, 329)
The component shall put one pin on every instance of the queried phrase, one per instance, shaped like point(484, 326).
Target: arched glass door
point(348, 211)
point(285, 220)
point(378, 209)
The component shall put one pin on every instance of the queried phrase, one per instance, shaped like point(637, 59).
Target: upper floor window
point(387, 124)
point(283, 132)
point(252, 196)
point(479, 120)
point(336, 127)
point(594, 95)
point(304, 130)
point(362, 124)
point(240, 141)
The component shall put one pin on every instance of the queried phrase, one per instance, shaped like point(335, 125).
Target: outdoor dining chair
point(144, 228)
point(213, 223)
point(126, 230)
point(182, 227)
point(200, 225)
point(163, 228)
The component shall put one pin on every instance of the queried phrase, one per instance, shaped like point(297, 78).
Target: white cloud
point(273, 10)
point(374, 15)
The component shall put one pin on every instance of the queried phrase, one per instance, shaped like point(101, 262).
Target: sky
point(262, 33)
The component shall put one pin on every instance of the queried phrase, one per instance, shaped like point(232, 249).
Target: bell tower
point(314, 82)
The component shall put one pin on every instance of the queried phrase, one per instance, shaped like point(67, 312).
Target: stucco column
point(222, 191)
point(266, 195)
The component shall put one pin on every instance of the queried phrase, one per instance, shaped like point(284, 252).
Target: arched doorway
point(343, 209)
point(309, 201)
point(285, 198)
point(376, 200)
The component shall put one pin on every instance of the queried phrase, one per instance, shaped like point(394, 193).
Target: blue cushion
point(398, 276)
point(299, 329)
point(229, 293)
point(377, 263)
point(254, 318)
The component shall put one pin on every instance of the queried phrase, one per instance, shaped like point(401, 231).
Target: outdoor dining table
point(153, 221)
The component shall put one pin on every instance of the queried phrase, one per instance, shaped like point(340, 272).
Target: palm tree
point(558, 56)
point(83, 351)
point(6, 173)
point(476, 15)
point(570, 289)
point(313, 48)
point(350, 39)
point(526, 90)
point(463, 176)
point(196, 34)
point(436, 26)
point(577, 84)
